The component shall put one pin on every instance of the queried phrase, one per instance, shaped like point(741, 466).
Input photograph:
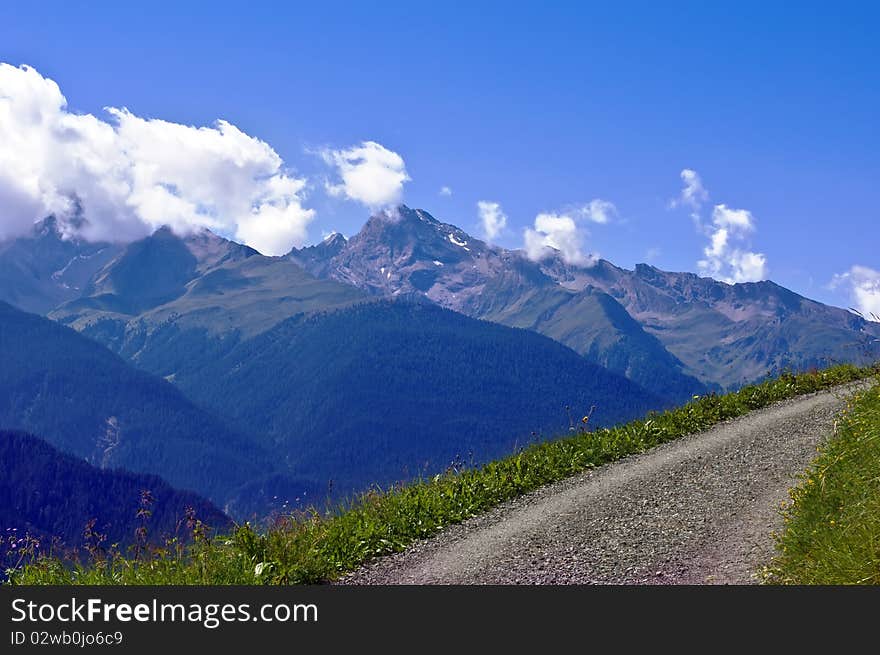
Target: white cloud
point(559, 232)
point(562, 231)
point(726, 258)
point(130, 175)
point(445, 191)
point(737, 220)
point(863, 286)
point(692, 195)
point(598, 211)
point(369, 173)
point(493, 219)
point(747, 266)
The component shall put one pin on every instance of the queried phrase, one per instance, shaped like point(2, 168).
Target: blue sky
point(540, 109)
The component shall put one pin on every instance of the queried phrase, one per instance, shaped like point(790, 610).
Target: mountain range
point(673, 333)
point(312, 385)
point(257, 381)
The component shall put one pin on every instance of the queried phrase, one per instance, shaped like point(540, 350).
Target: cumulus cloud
point(492, 218)
point(557, 232)
point(119, 179)
point(445, 191)
point(863, 286)
point(369, 173)
point(725, 258)
point(563, 231)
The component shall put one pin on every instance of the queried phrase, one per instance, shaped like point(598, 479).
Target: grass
point(310, 547)
point(832, 524)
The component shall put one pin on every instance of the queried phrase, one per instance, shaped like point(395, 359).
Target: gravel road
point(699, 510)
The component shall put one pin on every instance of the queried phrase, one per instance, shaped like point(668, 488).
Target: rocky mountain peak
point(334, 241)
point(211, 250)
point(401, 214)
point(48, 227)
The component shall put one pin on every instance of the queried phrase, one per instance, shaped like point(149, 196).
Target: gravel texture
point(699, 510)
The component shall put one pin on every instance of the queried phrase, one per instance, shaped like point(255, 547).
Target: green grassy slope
point(307, 548)
point(832, 525)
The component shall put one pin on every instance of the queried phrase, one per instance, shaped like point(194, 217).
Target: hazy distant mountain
point(209, 293)
point(86, 401)
point(42, 270)
point(165, 288)
point(660, 329)
point(51, 494)
point(156, 270)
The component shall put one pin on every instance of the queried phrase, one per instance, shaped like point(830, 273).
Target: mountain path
point(698, 510)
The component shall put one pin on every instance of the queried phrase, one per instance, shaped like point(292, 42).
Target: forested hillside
point(48, 494)
point(390, 390)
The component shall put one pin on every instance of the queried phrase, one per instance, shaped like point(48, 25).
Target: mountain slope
point(86, 401)
point(596, 326)
point(173, 300)
point(385, 391)
point(50, 494)
point(42, 270)
point(732, 334)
